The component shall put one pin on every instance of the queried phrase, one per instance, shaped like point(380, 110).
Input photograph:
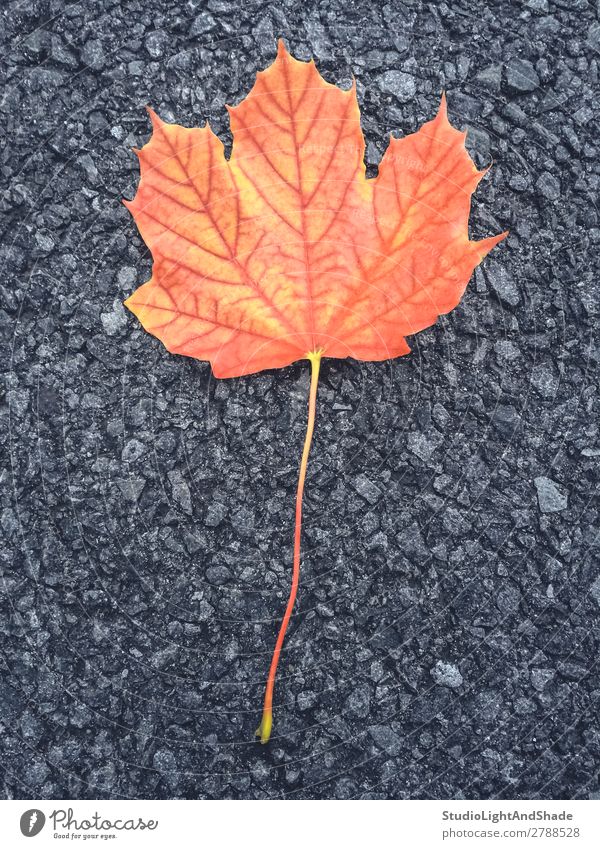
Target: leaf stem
point(264, 729)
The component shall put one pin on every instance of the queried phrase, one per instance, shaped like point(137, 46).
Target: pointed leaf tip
point(443, 107)
point(484, 246)
point(155, 118)
point(482, 172)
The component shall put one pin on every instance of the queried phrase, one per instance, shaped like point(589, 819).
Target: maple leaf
point(287, 251)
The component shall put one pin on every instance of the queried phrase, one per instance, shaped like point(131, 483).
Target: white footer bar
point(282, 824)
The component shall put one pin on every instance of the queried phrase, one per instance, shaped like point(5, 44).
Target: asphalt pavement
point(446, 638)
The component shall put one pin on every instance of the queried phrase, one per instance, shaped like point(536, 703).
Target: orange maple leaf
point(287, 251)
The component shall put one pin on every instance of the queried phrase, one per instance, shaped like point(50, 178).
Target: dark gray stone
point(550, 498)
point(508, 600)
point(521, 75)
point(595, 590)
point(549, 186)
point(202, 23)
point(164, 761)
point(502, 282)
point(540, 678)
point(402, 86)
point(386, 739)
point(447, 675)
point(215, 514)
point(490, 78)
point(156, 43)
point(358, 702)
point(367, 489)
point(180, 491)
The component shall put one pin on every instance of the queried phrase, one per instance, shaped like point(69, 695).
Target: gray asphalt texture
point(446, 638)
